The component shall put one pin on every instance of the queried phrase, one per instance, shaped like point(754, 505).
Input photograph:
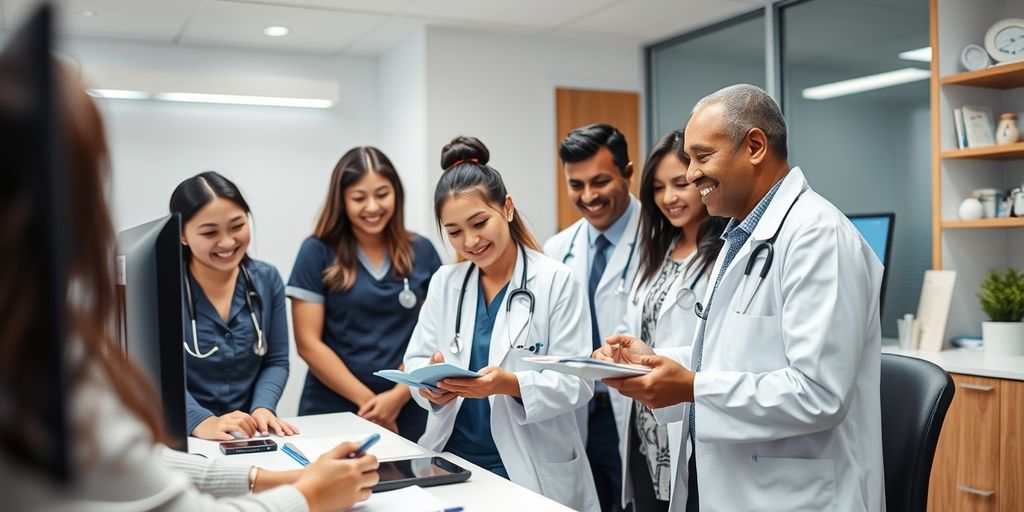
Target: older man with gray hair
point(781, 384)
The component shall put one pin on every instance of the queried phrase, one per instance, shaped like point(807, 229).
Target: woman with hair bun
point(504, 300)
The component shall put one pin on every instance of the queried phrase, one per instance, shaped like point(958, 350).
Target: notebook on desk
point(309, 449)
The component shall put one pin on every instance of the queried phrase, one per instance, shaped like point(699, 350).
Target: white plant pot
point(1003, 338)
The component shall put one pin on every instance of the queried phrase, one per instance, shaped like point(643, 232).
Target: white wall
point(281, 158)
point(403, 121)
point(501, 89)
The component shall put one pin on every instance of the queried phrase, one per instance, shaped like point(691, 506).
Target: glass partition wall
point(852, 79)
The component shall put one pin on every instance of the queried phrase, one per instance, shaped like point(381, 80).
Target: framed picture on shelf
point(979, 127)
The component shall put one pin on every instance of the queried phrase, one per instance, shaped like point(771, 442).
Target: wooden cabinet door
point(1011, 437)
point(965, 472)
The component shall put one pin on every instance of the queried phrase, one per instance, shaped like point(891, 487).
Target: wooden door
point(579, 107)
point(965, 473)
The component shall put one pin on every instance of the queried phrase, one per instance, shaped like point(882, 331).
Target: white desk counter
point(484, 491)
point(968, 362)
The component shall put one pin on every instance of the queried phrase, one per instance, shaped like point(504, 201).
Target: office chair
point(915, 397)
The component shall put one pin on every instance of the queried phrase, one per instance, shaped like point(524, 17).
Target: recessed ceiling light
point(88, 13)
point(865, 83)
point(919, 55)
point(276, 31)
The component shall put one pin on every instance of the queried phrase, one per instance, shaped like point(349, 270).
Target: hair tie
point(464, 160)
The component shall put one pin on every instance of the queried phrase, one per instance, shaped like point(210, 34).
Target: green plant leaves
point(1002, 297)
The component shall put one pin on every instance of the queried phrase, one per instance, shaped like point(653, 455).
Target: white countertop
point(968, 362)
point(484, 491)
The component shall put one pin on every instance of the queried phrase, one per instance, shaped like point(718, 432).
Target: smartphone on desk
point(247, 446)
point(422, 471)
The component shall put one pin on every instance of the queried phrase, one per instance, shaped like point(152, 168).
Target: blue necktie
point(596, 271)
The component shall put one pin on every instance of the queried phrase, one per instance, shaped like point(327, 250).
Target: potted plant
point(1002, 299)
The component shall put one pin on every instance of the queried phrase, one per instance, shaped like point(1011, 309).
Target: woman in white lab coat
point(680, 244)
point(516, 421)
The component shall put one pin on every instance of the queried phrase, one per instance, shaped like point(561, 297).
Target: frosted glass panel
point(866, 152)
point(688, 68)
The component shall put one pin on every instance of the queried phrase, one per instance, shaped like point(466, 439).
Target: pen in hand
point(367, 443)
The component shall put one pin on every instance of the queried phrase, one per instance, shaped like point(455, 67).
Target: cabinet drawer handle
point(972, 490)
point(977, 387)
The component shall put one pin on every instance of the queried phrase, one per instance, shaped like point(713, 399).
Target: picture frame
point(979, 126)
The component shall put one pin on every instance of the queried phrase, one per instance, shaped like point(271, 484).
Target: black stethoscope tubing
point(260, 347)
point(456, 345)
point(767, 245)
point(629, 259)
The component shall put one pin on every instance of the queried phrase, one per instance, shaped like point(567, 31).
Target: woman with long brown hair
point(356, 290)
point(680, 241)
point(117, 460)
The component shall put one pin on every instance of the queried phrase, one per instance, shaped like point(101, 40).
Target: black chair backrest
point(915, 397)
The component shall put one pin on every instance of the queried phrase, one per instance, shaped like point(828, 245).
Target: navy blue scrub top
point(365, 326)
point(234, 377)
point(472, 439)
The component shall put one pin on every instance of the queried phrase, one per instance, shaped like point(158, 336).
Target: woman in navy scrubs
point(356, 291)
point(236, 334)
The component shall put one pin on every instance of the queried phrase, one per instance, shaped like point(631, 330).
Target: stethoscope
point(769, 247)
point(406, 297)
point(259, 348)
point(621, 289)
point(686, 297)
point(456, 345)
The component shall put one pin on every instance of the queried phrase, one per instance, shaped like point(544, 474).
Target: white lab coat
point(675, 328)
point(538, 439)
point(787, 399)
point(570, 246)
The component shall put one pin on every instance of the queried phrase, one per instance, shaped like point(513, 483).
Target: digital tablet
point(423, 471)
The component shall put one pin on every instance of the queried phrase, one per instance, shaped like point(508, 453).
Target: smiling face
point(723, 174)
point(477, 230)
point(218, 235)
point(678, 200)
point(598, 189)
point(370, 203)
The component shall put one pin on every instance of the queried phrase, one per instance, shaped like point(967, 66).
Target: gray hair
point(746, 107)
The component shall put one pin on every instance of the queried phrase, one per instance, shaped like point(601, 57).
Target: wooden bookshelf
point(1003, 76)
point(1004, 222)
point(1000, 152)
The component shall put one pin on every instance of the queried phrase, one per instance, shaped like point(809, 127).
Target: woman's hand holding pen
point(437, 398)
point(493, 381)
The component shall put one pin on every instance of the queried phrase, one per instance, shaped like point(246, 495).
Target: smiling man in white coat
point(784, 369)
point(601, 250)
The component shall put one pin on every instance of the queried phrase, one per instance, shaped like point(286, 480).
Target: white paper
point(933, 308)
point(406, 499)
point(388, 448)
point(586, 367)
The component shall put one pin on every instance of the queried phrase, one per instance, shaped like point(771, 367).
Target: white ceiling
point(369, 27)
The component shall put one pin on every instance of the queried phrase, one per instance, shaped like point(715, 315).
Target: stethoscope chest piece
point(406, 297)
point(260, 348)
point(686, 298)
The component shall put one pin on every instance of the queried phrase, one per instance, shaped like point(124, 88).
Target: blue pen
point(294, 454)
point(367, 443)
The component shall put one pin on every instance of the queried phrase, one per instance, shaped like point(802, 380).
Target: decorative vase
point(971, 209)
point(1003, 338)
point(1007, 131)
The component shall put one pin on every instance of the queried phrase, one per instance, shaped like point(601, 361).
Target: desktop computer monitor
point(34, 383)
point(876, 228)
point(149, 287)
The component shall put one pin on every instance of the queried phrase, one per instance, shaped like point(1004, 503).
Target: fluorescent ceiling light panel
point(865, 83)
point(233, 99)
point(918, 55)
point(119, 94)
point(276, 31)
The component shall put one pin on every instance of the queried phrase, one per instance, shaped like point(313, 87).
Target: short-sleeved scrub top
point(366, 325)
point(235, 378)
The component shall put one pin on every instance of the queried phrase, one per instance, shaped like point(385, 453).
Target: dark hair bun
point(464, 149)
